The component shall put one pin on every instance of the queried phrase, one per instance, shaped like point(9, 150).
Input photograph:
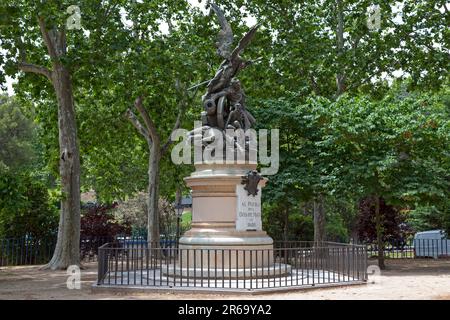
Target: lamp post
point(179, 208)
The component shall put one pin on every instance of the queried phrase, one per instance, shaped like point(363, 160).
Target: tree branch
point(47, 39)
point(314, 85)
point(135, 122)
point(24, 66)
point(28, 67)
point(181, 109)
point(355, 44)
point(184, 102)
point(61, 43)
point(169, 24)
point(151, 128)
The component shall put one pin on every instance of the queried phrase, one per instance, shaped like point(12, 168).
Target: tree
point(157, 149)
point(27, 31)
point(430, 217)
point(326, 48)
point(392, 219)
point(166, 58)
point(54, 37)
point(27, 200)
point(133, 211)
point(115, 62)
point(302, 175)
point(391, 150)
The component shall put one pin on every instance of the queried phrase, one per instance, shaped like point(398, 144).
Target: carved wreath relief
point(251, 180)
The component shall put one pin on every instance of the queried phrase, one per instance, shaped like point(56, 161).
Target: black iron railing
point(283, 266)
point(30, 251)
point(25, 251)
point(413, 248)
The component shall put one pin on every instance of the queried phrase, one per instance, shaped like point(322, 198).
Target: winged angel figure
point(224, 100)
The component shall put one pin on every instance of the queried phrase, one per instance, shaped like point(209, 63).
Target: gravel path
point(403, 279)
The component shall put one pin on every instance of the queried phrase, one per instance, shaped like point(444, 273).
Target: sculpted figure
point(223, 84)
point(224, 100)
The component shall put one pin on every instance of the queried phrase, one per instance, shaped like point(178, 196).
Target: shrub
point(26, 207)
point(394, 226)
point(97, 220)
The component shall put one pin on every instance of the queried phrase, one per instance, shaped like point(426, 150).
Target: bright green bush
point(26, 207)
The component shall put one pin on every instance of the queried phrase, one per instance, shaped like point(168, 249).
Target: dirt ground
point(403, 279)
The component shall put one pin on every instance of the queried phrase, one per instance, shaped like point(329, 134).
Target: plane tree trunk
point(153, 195)
point(157, 150)
point(67, 250)
point(319, 221)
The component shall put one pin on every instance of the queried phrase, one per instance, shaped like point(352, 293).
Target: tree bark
point(151, 135)
point(156, 151)
point(153, 195)
point(286, 225)
point(379, 230)
point(67, 250)
point(178, 196)
point(319, 220)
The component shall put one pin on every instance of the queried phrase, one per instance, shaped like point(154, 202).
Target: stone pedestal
point(214, 233)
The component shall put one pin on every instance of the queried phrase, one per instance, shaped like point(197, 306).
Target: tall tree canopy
point(325, 79)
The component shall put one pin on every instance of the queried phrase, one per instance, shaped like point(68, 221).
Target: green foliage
point(355, 146)
point(430, 217)
point(304, 56)
point(335, 228)
point(395, 148)
point(341, 218)
point(301, 173)
point(16, 135)
point(27, 204)
point(286, 222)
point(147, 62)
point(26, 207)
point(111, 63)
point(374, 139)
point(186, 219)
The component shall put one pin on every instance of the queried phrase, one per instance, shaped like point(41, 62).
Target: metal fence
point(413, 248)
point(224, 269)
point(25, 251)
point(30, 251)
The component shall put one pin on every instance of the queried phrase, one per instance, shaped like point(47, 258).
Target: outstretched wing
point(225, 37)
point(243, 43)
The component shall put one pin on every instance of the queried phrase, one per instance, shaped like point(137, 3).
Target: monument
point(227, 248)
point(226, 219)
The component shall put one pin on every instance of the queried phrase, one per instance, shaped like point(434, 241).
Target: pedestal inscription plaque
point(248, 211)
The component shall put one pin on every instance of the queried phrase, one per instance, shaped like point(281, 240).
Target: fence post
point(102, 266)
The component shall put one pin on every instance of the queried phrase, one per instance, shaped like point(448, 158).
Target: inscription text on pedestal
point(248, 211)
